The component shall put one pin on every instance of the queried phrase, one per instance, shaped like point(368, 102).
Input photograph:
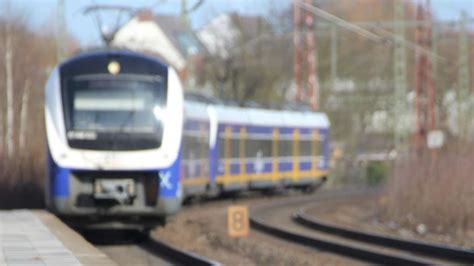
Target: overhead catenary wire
point(340, 22)
point(387, 37)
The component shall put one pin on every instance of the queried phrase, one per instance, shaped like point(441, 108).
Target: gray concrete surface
point(39, 238)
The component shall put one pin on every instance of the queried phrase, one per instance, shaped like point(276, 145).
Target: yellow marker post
point(237, 221)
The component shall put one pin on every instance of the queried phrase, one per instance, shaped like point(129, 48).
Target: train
point(125, 148)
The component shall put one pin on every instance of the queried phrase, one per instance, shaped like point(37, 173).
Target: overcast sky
point(41, 12)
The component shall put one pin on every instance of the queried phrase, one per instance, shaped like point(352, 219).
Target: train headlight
point(159, 113)
point(113, 67)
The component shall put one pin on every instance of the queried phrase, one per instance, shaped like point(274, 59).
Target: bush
point(377, 172)
point(437, 190)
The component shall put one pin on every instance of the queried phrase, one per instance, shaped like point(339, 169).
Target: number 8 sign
point(237, 221)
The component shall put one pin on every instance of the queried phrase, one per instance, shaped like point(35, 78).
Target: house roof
point(165, 36)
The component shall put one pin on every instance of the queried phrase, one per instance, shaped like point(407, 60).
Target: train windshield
point(114, 112)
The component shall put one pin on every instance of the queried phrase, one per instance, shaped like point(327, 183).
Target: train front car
point(114, 122)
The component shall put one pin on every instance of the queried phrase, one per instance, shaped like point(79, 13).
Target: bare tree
point(1, 130)
point(250, 65)
point(9, 88)
point(23, 114)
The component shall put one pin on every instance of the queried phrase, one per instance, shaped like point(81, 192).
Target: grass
point(436, 190)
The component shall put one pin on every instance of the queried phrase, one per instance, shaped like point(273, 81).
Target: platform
point(39, 238)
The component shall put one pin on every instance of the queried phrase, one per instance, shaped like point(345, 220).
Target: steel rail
point(450, 253)
point(177, 255)
point(338, 247)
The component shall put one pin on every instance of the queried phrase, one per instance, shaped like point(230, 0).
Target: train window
point(188, 148)
point(258, 148)
point(285, 148)
point(221, 148)
point(320, 148)
point(204, 147)
point(305, 147)
point(99, 103)
point(235, 151)
point(250, 148)
point(194, 147)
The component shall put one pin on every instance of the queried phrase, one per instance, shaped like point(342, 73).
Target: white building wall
point(146, 35)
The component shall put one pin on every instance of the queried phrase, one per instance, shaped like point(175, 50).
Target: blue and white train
point(228, 149)
point(125, 149)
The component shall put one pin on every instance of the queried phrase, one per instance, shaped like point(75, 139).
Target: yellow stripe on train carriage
point(311, 174)
point(195, 181)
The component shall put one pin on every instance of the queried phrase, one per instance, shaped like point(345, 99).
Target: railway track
point(175, 255)
point(133, 248)
point(293, 224)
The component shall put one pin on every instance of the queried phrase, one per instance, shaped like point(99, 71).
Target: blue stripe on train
point(260, 130)
point(170, 185)
point(285, 166)
point(234, 169)
point(286, 130)
point(306, 131)
point(58, 179)
point(195, 125)
point(213, 155)
point(305, 166)
point(252, 167)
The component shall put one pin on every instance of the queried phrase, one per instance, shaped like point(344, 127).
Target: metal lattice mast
point(334, 45)
point(434, 44)
point(400, 75)
point(429, 72)
point(297, 49)
point(425, 90)
point(463, 75)
point(313, 82)
point(418, 79)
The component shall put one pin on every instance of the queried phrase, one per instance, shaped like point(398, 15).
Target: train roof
point(259, 117)
point(111, 52)
point(196, 110)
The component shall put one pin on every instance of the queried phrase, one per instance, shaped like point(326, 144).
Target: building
point(165, 36)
